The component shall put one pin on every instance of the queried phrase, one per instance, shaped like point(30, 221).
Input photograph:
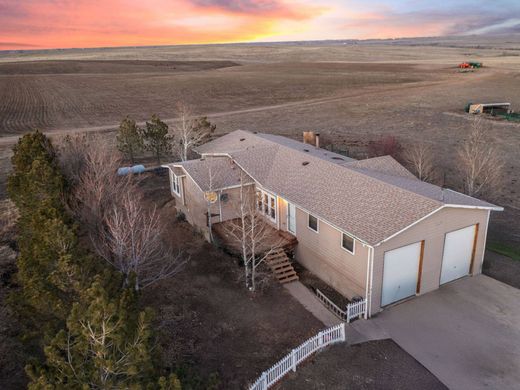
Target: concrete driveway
point(467, 333)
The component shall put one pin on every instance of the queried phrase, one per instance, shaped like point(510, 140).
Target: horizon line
point(244, 43)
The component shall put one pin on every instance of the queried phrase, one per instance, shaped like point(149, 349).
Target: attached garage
point(401, 273)
point(459, 249)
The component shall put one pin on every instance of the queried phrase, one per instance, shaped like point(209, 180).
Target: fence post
point(343, 336)
point(293, 360)
point(320, 338)
point(264, 381)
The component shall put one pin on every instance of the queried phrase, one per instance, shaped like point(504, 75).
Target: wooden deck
point(274, 238)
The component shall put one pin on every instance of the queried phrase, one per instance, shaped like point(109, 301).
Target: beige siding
point(322, 254)
point(432, 230)
point(192, 203)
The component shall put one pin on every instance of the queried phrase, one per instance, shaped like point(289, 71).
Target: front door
point(291, 218)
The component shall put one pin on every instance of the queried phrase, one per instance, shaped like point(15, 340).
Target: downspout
point(371, 281)
point(220, 205)
point(278, 199)
point(367, 282)
point(485, 240)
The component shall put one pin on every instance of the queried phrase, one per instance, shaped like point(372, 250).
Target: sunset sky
point(37, 24)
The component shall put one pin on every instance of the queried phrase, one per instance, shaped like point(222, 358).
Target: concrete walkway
point(303, 295)
point(357, 332)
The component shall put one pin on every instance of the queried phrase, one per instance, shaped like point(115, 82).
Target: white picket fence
point(326, 337)
point(353, 310)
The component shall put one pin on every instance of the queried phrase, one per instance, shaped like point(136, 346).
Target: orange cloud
point(84, 23)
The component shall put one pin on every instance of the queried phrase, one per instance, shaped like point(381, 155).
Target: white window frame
point(353, 243)
point(317, 223)
point(260, 206)
point(175, 184)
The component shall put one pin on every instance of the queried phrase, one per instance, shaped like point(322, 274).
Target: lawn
point(504, 249)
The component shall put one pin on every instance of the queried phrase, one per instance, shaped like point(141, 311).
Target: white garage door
point(458, 250)
point(400, 273)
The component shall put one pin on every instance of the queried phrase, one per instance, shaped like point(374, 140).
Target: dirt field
point(375, 365)
point(74, 94)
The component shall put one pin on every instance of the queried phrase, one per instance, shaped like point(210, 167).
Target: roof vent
point(305, 150)
point(242, 139)
point(338, 158)
point(305, 163)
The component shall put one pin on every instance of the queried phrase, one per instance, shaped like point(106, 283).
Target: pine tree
point(36, 176)
point(156, 138)
point(129, 139)
point(51, 268)
point(106, 345)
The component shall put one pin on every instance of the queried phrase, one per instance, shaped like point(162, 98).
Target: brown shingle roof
point(370, 199)
point(384, 164)
point(224, 173)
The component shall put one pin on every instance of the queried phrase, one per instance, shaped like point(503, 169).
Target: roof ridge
point(356, 172)
point(401, 188)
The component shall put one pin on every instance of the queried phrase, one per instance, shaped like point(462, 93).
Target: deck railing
point(352, 311)
point(326, 337)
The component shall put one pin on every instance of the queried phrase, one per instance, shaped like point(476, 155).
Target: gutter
point(494, 208)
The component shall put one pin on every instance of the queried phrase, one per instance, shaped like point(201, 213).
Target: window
point(267, 204)
point(347, 243)
point(313, 223)
point(176, 185)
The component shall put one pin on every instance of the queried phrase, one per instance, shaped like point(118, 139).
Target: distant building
point(490, 108)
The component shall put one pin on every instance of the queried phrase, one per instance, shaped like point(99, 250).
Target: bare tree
point(98, 185)
point(132, 241)
point(420, 157)
point(72, 152)
point(252, 232)
point(479, 161)
point(190, 131)
point(8, 216)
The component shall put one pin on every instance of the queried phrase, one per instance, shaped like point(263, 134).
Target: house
point(368, 228)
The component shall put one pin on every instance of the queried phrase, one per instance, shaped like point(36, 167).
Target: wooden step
point(285, 269)
point(281, 266)
point(278, 267)
point(280, 275)
point(277, 255)
point(275, 264)
point(288, 280)
point(276, 260)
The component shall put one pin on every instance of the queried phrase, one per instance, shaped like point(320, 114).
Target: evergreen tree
point(51, 267)
point(36, 176)
point(106, 345)
point(129, 139)
point(156, 138)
